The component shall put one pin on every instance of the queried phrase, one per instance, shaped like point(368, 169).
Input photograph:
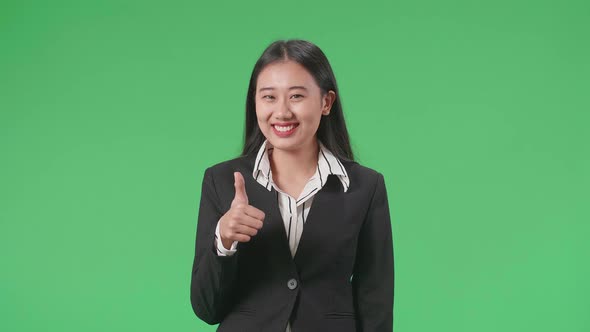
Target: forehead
point(284, 74)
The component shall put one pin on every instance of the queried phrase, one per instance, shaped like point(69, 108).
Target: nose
point(283, 111)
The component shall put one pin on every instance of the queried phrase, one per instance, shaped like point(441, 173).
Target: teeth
point(279, 128)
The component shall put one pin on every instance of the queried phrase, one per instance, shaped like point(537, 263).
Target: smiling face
point(289, 105)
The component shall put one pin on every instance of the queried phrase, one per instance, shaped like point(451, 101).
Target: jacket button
point(292, 284)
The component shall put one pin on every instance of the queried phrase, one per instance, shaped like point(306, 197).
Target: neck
point(297, 164)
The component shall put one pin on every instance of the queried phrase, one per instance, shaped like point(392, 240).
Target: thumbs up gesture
point(242, 221)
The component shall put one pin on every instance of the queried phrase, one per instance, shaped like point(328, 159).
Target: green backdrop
point(476, 112)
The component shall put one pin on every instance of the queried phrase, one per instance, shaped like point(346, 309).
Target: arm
point(373, 276)
point(213, 277)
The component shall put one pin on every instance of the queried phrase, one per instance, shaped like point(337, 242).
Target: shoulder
point(226, 168)
point(363, 177)
point(356, 170)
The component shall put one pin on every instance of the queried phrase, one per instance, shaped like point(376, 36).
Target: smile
point(284, 131)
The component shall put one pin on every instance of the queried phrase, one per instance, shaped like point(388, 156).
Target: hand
point(242, 221)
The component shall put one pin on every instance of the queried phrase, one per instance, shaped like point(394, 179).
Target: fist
point(242, 221)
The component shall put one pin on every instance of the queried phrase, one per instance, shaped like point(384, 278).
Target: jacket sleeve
point(373, 275)
point(213, 277)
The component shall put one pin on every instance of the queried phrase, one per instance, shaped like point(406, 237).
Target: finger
point(240, 187)
point(241, 238)
point(246, 230)
point(254, 212)
point(246, 220)
point(238, 232)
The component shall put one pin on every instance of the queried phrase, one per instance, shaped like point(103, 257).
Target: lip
point(284, 133)
point(284, 124)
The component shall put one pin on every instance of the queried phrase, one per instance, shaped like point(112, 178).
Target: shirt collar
point(327, 164)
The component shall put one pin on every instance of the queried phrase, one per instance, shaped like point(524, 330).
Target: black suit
point(261, 286)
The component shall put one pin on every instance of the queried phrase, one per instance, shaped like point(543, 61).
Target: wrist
point(227, 243)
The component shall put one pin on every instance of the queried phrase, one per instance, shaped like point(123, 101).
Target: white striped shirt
point(294, 211)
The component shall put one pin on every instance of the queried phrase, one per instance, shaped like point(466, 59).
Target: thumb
point(240, 185)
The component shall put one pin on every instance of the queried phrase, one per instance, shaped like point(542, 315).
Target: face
point(289, 105)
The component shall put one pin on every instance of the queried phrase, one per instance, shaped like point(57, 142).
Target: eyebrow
point(291, 88)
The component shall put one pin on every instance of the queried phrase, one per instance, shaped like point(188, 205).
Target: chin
point(284, 144)
point(289, 144)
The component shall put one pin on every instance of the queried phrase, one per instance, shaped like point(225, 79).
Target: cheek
point(311, 115)
point(262, 115)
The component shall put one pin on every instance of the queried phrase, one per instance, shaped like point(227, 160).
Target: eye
point(269, 97)
point(297, 96)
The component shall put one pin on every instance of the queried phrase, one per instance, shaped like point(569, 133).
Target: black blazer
point(342, 275)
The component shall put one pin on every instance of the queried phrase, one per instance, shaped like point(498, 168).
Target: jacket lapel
point(273, 229)
point(323, 210)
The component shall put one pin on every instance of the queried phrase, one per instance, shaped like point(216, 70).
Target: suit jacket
point(342, 275)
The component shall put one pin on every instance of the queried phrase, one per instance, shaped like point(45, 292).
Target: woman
point(294, 235)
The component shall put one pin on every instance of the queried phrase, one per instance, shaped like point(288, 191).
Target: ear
point(327, 102)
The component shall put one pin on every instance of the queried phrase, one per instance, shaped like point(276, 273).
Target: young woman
point(294, 235)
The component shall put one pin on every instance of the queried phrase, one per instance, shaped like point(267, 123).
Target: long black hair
point(332, 130)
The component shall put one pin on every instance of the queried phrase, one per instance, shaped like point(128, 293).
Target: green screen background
point(476, 112)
